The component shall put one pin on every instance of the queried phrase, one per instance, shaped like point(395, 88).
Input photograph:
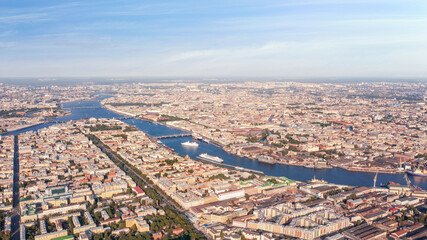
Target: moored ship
point(315, 180)
point(197, 137)
point(208, 157)
point(266, 160)
point(313, 166)
point(200, 138)
point(418, 172)
point(190, 144)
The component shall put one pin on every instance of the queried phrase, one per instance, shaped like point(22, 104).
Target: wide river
point(93, 108)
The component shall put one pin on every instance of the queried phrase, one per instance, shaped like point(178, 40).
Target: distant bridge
point(79, 108)
point(174, 136)
point(58, 121)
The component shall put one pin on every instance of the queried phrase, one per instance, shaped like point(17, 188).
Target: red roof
point(400, 233)
point(138, 190)
point(392, 209)
point(178, 230)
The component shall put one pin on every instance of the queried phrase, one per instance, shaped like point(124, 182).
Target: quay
point(230, 166)
point(290, 170)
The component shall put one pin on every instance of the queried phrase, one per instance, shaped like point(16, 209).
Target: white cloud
point(7, 44)
point(21, 18)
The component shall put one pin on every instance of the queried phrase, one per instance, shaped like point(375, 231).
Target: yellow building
point(58, 202)
point(77, 199)
point(110, 193)
point(226, 216)
point(141, 224)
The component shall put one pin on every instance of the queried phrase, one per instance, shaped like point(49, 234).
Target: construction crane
point(375, 179)
point(408, 182)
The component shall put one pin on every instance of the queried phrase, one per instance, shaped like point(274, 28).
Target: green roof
point(58, 191)
point(64, 238)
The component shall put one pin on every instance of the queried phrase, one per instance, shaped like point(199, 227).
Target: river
point(93, 108)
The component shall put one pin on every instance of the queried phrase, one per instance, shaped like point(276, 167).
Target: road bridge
point(174, 136)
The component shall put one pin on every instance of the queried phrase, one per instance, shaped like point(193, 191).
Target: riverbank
point(160, 144)
point(372, 170)
point(223, 147)
point(304, 165)
point(332, 175)
point(94, 97)
point(23, 128)
point(34, 124)
point(109, 108)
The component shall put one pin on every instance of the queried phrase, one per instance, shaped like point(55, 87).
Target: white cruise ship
point(205, 156)
point(190, 144)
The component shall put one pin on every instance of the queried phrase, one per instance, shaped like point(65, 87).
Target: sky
point(210, 39)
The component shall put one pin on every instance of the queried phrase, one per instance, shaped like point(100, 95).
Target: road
point(15, 212)
point(129, 171)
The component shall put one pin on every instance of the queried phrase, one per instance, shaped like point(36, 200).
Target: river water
point(93, 108)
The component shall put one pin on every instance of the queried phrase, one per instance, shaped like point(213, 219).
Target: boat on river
point(190, 144)
point(267, 160)
point(339, 175)
point(208, 157)
point(418, 172)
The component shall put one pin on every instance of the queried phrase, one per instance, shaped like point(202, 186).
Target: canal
point(334, 175)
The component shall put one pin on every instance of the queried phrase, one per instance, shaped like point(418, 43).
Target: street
point(15, 216)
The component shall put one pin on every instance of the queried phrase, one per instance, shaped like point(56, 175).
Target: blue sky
point(221, 38)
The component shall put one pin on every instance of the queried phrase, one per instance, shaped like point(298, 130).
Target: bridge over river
point(175, 136)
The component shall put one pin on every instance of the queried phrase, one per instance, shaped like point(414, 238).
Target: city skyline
point(287, 39)
point(200, 160)
point(213, 120)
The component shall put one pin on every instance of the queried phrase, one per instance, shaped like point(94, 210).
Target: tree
point(97, 237)
point(252, 139)
point(265, 133)
point(122, 224)
point(352, 196)
point(423, 219)
point(273, 180)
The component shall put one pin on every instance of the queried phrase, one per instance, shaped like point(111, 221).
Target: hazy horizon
point(61, 81)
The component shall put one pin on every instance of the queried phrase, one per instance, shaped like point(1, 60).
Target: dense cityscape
point(213, 120)
point(359, 127)
point(72, 169)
